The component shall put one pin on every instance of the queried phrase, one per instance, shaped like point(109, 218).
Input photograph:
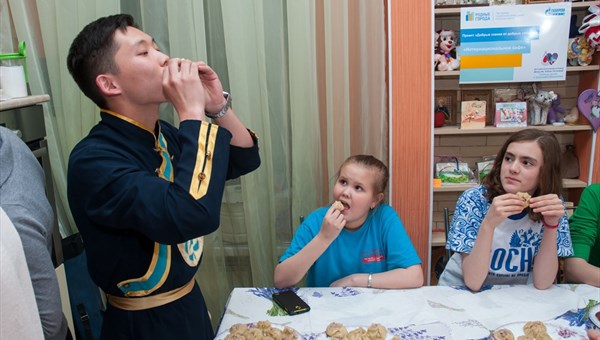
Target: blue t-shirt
point(515, 243)
point(379, 245)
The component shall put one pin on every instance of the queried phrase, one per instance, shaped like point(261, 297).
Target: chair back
point(447, 219)
point(443, 260)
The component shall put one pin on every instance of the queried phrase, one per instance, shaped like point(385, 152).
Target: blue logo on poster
point(473, 16)
point(555, 12)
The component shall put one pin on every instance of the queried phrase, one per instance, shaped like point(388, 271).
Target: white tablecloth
point(432, 312)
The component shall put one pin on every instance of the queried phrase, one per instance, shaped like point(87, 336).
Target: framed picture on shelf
point(511, 114)
point(445, 100)
point(473, 114)
point(481, 95)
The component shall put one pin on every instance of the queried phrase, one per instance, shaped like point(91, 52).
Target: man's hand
point(213, 89)
point(183, 88)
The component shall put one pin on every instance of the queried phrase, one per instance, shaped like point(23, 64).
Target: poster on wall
point(520, 43)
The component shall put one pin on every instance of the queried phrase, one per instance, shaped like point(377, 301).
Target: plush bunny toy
point(539, 104)
point(445, 56)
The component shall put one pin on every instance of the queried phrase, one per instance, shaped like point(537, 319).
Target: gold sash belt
point(141, 303)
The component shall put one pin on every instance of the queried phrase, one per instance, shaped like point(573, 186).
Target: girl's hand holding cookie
point(550, 206)
point(333, 223)
point(502, 207)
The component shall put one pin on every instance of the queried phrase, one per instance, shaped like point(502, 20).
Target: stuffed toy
point(445, 54)
point(556, 112)
point(572, 117)
point(539, 104)
point(590, 27)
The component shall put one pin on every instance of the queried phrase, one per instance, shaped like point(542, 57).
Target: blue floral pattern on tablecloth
point(578, 318)
point(438, 313)
point(346, 291)
point(482, 289)
point(267, 292)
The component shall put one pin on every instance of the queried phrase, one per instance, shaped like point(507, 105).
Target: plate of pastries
point(536, 330)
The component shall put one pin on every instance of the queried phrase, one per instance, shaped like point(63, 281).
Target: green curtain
point(309, 77)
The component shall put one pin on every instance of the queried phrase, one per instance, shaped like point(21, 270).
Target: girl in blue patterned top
point(496, 235)
point(360, 243)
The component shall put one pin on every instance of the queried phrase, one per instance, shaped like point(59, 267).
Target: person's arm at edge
point(583, 226)
point(579, 270)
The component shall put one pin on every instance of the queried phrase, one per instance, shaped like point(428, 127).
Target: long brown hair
point(550, 178)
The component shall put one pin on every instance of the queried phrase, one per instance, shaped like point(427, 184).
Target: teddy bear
point(445, 54)
point(539, 104)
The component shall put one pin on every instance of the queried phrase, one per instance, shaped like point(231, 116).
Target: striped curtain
point(309, 77)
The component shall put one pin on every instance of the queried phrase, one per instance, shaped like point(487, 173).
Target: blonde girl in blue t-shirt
point(500, 238)
point(361, 243)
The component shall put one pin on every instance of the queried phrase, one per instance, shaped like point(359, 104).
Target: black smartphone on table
point(290, 302)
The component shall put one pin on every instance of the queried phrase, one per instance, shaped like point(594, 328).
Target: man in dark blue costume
point(142, 192)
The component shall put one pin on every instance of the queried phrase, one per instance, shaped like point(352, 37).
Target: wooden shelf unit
point(583, 135)
point(456, 74)
point(568, 183)
point(490, 130)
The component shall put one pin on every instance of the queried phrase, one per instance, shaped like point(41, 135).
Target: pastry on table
point(336, 330)
point(262, 330)
point(503, 334)
point(536, 329)
point(376, 331)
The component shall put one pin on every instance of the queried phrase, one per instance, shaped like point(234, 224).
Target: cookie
point(525, 337)
point(262, 330)
point(535, 329)
point(525, 197)
point(336, 330)
point(503, 334)
point(377, 331)
point(338, 205)
point(237, 328)
point(357, 334)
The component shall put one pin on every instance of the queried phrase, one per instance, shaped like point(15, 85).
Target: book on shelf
point(511, 114)
point(472, 114)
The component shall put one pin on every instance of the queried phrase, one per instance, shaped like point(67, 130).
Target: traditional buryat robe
point(142, 200)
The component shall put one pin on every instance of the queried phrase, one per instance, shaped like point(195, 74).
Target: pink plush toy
point(445, 55)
